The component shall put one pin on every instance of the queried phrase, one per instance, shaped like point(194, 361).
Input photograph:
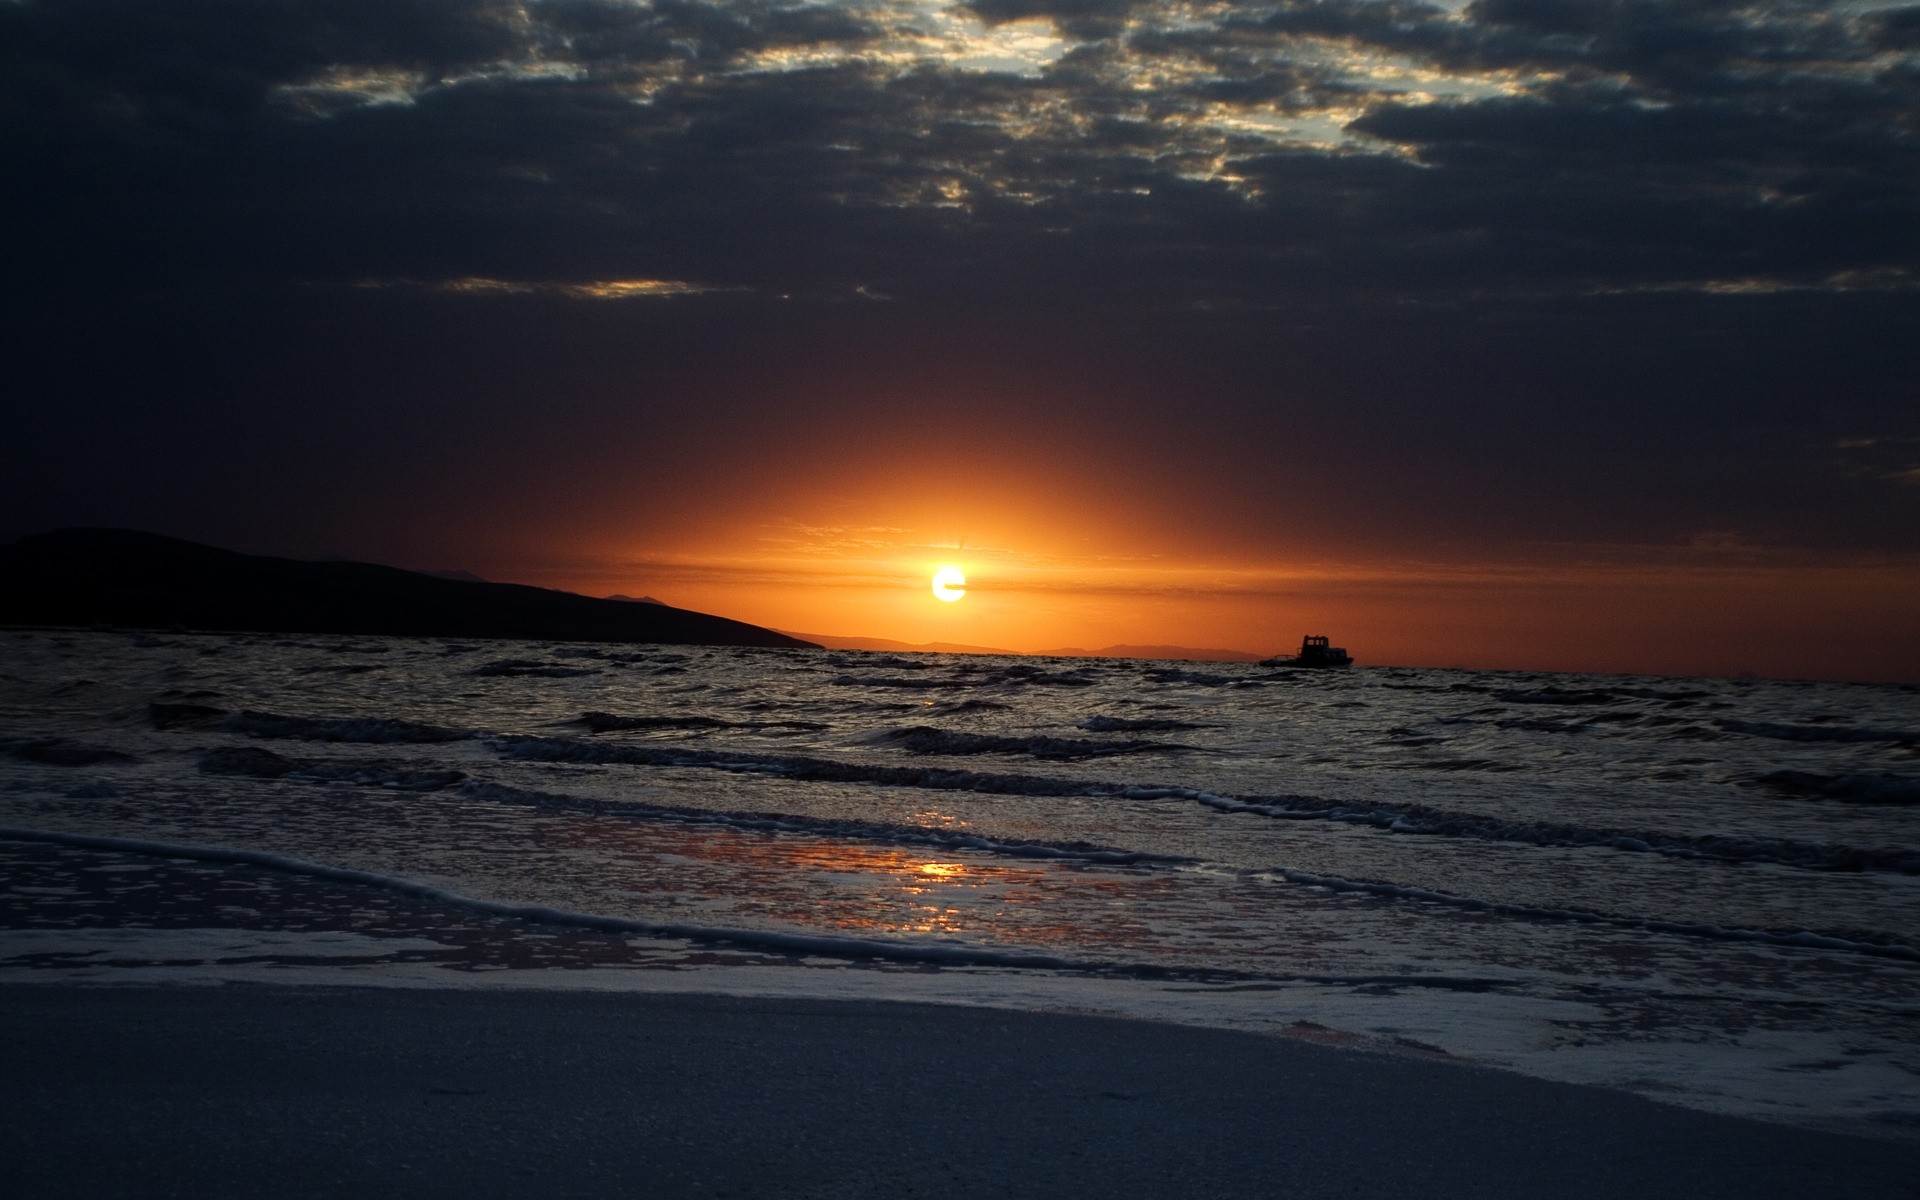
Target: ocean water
point(1703, 890)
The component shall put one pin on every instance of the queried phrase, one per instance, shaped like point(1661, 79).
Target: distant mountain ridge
point(145, 580)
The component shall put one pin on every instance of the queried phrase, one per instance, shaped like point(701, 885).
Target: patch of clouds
point(1189, 151)
point(1884, 279)
point(603, 289)
point(1888, 457)
point(341, 87)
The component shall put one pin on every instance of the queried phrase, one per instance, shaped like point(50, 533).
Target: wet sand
point(289, 1091)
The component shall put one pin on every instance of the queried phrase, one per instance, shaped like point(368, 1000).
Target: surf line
point(1279, 875)
point(1408, 819)
point(797, 943)
point(1805, 939)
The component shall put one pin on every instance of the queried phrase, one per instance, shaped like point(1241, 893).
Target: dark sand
point(255, 1091)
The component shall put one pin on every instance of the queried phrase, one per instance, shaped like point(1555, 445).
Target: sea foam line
point(762, 822)
point(1409, 819)
point(1805, 939)
point(852, 949)
point(906, 835)
point(782, 823)
point(797, 943)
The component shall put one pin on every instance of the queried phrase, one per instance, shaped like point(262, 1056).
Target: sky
point(1542, 334)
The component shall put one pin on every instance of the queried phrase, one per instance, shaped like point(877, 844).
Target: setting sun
point(949, 583)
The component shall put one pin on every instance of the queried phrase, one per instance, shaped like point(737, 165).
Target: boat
point(1315, 651)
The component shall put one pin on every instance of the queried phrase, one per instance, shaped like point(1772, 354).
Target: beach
point(248, 1090)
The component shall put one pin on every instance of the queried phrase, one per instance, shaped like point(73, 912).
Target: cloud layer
point(1237, 154)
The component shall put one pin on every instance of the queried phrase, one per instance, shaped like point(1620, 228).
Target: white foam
point(840, 947)
point(1738, 1076)
point(1411, 819)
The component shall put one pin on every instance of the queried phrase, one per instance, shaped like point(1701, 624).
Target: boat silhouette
point(1315, 651)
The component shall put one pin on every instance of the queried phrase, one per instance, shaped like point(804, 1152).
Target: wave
point(1100, 724)
point(253, 762)
point(602, 722)
point(1818, 733)
point(924, 739)
point(951, 954)
point(1800, 938)
point(796, 767)
point(373, 730)
point(516, 667)
point(1555, 696)
point(1201, 678)
point(1418, 820)
point(61, 752)
point(1488, 765)
point(937, 954)
point(1846, 789)
point(184, 716)
point(895, 681)
point(1026, 674)
point(1587, 723)
point(1551, 693)
point(1421, 819)
point(977, 676)
point(773, 822)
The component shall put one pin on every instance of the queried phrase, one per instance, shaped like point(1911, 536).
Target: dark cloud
point(1533, 176)
point(1897, 28)
point(785, 147)
point(1085, 19)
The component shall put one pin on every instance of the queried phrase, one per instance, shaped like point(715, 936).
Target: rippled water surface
point(1702, 889)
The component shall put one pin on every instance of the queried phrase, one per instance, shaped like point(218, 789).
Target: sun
point(949, 583)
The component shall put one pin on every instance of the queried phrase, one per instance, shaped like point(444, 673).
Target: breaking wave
point(1419, 820)
point(1867, 944)
point(941, 954)
point(924, 739)
point(602, 722)
point(253, 762)
point(895, 681)
point(184, 716)
point(1818, 733)
point(1845, 789)
point(946, 953)
point(373, 730)
point(1589, 696)
point(61, 752)
point(769, 822)
point(516, 667)
point(1102, 724)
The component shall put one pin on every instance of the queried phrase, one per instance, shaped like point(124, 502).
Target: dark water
point(1706, 890)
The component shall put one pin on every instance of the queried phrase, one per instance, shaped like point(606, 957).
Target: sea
point(1704, 891)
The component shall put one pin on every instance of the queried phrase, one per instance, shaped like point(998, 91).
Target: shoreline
point(410, 938)
point(246, 1089)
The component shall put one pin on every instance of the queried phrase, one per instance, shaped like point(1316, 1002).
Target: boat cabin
point(1317, 651)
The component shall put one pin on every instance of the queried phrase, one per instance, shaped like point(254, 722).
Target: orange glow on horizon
point(1057, 562)
point(1646, 610)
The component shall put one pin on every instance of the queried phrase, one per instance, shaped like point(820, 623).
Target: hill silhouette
point(144, 580)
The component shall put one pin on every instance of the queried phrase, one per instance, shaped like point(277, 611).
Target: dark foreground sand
point(270, 1092)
